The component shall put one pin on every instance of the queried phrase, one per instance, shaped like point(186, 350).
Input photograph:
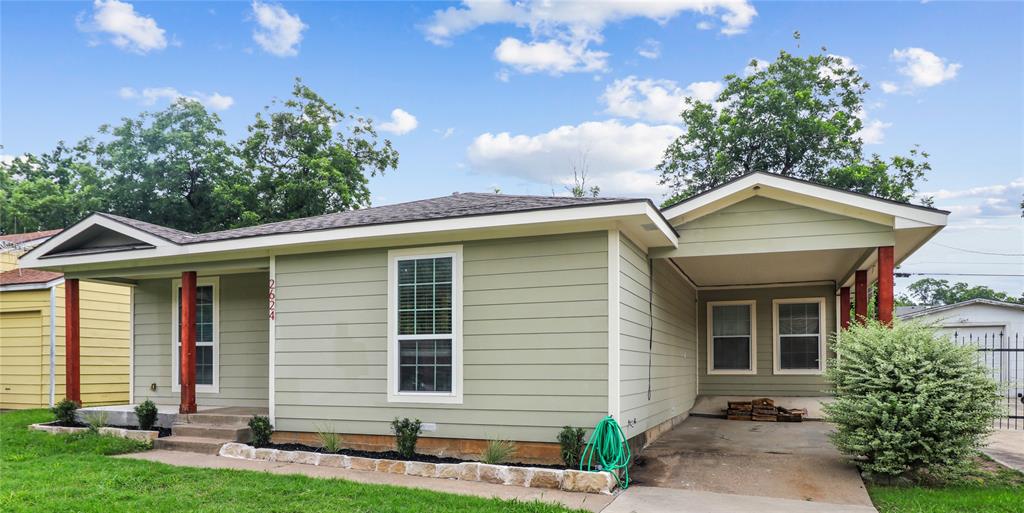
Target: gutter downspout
point(53, 342)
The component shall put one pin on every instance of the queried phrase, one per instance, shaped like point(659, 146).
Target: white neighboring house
point(988, 324)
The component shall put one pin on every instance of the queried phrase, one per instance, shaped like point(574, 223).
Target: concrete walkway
point(646, 499)
point(1007, 448)
point(590, 502)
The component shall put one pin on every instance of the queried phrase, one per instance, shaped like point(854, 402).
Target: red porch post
point(885, 284)
point(187, 361)
point(844, 307)
point(72, 342)
point(861, 299)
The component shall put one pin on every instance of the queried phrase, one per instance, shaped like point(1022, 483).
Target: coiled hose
point(609, 444)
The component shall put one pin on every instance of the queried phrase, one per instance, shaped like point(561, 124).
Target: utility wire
point(978, 252)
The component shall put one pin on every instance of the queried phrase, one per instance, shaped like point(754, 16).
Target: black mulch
point(394, 455)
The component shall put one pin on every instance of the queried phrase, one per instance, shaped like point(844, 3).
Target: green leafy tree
point(311, 158)
point(797, 117)
point(171, 168)
point(50, 190)
point(932, 292)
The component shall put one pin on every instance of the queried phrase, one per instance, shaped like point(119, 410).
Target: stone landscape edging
point(131, 434)
point(529, 477)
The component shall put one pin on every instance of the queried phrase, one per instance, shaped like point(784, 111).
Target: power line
point(907, 275)
point(978, 252)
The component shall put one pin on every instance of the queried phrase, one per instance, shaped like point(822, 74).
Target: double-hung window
point(207, 335)
point(424, 325)
point(799, 341)
point(731, 337)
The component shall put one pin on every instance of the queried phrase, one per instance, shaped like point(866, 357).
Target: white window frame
point(176, 333)
point(776, 338)
point(710, 338)
point(394, 395)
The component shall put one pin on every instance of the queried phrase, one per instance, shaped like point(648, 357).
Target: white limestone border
point(529, 477)
point(131, 434)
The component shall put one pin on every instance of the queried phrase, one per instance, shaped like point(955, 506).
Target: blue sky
point(508, 96)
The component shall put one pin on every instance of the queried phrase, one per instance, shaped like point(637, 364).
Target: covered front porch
point(200, 337)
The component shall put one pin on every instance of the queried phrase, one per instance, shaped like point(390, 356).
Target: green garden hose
point(611, 448)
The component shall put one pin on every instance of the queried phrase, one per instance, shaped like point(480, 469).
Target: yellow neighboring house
point(32, 328)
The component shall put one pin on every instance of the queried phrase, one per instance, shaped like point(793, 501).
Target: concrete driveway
point(1007, 447)
point(793, 461)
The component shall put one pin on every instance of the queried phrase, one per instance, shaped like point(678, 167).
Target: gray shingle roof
point(446, 207)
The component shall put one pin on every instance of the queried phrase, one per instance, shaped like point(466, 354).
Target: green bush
point(908, 403)
point(407, 432)
point(262, 430)
point(498, 451)
point(146, 414)
point(65, 411)
point(571, 440)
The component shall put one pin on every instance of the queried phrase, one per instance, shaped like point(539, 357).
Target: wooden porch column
point(861, 299)
point(844, 307)
point(187, 360)
point(72, 342)
point(885, 284)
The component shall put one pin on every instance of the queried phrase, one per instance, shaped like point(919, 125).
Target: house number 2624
point(273, 300)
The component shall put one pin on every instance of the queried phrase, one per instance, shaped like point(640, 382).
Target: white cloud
point(564, 31)
point(401, 123)
point(554, 57)
point(128, 29)
point(503, 75)
point(705, 25)
point(980, 202)
point(922, 69)
point(651, 49)
point(755, 66)
point(280, 32)
point(655, 100)
point(873, 131)
point(152, 95)
point(621, 157)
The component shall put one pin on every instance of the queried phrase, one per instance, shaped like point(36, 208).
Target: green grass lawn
point(990, 488)
point(44, 472)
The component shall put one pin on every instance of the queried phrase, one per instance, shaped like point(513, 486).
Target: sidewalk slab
point(1007, 448)
point(646, 499)
point(586, 501)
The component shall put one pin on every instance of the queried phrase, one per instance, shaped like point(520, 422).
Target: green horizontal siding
point(534, 340)
point(667, 367)
point(760, 224)
point(243, 346)
point(765, 382)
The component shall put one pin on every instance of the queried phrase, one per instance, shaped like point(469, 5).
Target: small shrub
point(329, 439)
point(262, 430)
point(908, 403)
point(96, 420)
point(407, 432)
point(146, 414)
point(571, 440)
point(498, 451)
point(65, 411)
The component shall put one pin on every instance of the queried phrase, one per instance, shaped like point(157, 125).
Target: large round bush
point(907, 400)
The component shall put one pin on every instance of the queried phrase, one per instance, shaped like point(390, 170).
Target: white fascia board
point(32, 258)
point(908, 213)
point(537, 217)
point(31, 286)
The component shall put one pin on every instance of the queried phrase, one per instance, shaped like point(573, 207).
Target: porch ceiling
point(771, 268)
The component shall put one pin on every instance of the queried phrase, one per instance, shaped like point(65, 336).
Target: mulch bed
point(394, 455)
point(164, 432)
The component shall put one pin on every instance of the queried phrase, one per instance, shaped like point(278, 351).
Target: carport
point(781, 460)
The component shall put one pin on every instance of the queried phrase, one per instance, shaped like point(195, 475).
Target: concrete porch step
point(190, 444)
point(214, 419)
point(219, 432)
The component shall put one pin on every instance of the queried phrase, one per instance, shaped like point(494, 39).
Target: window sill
point(425, 398)
point(798, 372)
point(747, 372)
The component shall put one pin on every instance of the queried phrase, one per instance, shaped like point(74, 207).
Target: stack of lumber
point(739, 410)
point(792, 414)
point(764, 410)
